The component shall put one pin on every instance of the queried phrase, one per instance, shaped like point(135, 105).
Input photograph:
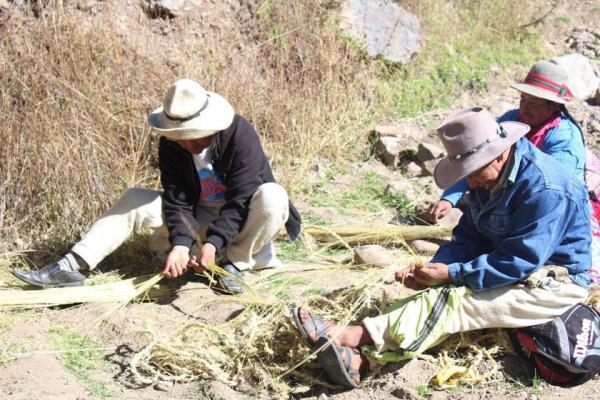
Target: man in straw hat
point(523, 212)
point(544, 93)
point(219, 198)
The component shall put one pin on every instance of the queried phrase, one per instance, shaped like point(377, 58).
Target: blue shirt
point(564, 143)
point(539, 217)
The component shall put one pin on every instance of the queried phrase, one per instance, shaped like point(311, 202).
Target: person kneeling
point(219, 198)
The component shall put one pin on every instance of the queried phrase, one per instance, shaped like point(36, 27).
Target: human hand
point(418, 277)
point(208, 254)
point(176, 262)
point(438, 210)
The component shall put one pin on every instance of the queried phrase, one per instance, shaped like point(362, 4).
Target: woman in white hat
point(544, 93)
point(219, 198)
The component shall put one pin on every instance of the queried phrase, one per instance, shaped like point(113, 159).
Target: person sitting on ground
point(519, 255)
point(219, 198)
point(544, 93)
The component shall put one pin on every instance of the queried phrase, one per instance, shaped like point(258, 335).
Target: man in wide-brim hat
point(544, 94)
point(523, 212)
point(219, 199)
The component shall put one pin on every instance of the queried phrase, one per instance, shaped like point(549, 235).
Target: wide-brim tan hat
point(190, 112)
point(472, 139)
point(548, 81)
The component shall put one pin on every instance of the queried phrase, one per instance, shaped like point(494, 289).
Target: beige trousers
point(142, 208)
point(504, 307)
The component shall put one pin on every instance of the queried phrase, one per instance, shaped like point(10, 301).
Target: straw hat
point(472, 139)
point(190, 112)
point(547, 81)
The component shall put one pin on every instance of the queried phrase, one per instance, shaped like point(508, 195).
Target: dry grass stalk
point(120, 292)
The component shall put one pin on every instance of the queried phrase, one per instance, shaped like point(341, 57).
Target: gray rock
point(403, 187)
point(163, 386)
point(429, 151)
point(450, 219)
point(413, 169)
point(405, 393)
point(582, 80)
point(424, 246)
point(428, 167)
point(388, 149)
point(383, 27)
point(402, 129)
point(373, 255)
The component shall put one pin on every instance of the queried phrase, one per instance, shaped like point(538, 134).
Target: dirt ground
point(32, 349)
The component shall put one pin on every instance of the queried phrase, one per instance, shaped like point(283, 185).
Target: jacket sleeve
point(536, 229)
point(455, 192)
point(466, 243)
point(565, 144)
point(178, 204)
point(242, 181)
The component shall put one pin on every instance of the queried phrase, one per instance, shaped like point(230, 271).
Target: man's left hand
point(418, 277)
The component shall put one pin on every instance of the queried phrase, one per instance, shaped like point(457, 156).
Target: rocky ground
point(406, 155)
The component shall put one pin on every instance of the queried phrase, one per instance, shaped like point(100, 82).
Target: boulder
point(388, 149)
point(373, 255)
point(383, 27)
point(429, 151)
point(582, 80)
point(409, 136)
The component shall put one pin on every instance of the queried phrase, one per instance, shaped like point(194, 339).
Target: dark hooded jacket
point(239, 160)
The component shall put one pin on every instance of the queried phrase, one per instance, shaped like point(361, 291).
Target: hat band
point(500, 132)
point(547, 84)
point(185, 119)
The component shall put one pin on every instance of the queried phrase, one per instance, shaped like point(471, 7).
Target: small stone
point(373, 255)
point(450, 219)
point(323, 396)
point(428, 167)
point(402, 129)
point(405, 393)
point(429, 151)
point(424, 246)
point(401, 187)
point(533, 397)
point(413, 169)
point(388, 148)
point(163, 386)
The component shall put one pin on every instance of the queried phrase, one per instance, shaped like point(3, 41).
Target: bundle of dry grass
point(384, 234)
point(119, 292)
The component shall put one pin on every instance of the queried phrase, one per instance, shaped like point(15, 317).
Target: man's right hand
point(176, 263)
point(438, 210)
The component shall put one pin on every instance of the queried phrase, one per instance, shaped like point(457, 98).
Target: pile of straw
point(259, 348)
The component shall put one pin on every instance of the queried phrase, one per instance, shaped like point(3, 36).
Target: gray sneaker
point(229, 284)
point(62, 273)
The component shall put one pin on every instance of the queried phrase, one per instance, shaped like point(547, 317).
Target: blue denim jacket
point(540, 217)
point(564, 143)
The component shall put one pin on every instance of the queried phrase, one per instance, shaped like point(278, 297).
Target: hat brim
point(448, 172)
point(216, 116)
point(539, 92)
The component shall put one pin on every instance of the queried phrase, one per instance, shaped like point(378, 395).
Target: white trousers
point(142, 208)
